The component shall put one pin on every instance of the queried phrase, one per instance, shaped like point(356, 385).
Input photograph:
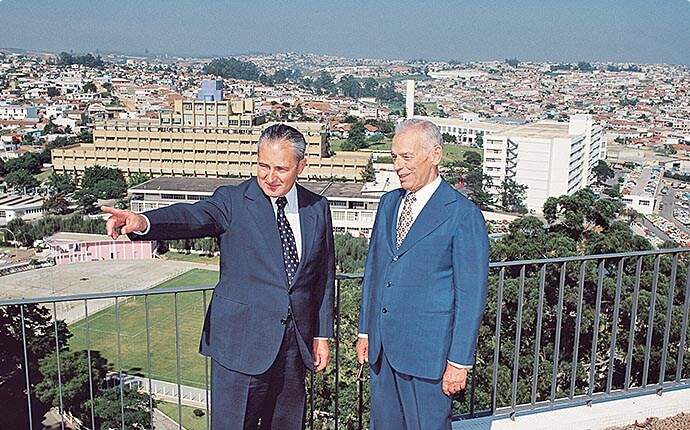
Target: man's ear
point(436, 155)
point(301, 165)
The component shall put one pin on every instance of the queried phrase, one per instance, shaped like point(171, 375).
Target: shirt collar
point(291, 198)
point(425, 193)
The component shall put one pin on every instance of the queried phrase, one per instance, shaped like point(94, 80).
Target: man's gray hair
point(431, 136)
point(278, 132)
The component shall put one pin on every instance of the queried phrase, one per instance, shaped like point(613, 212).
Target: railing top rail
point(588, 257)
point(341, 276)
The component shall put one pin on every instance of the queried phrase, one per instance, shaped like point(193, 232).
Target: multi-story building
point(353, 209)
point(10, 112)
point(198, 138)
point(550, 158)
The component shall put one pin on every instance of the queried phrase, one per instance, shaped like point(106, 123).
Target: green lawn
point(457, 152)
point(44, 174)
point(132, 320)
point(451, 152)
point(189, 420)
point(192, 258)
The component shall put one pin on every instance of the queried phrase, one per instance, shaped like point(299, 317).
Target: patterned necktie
point(405, 221)
point(287, 239)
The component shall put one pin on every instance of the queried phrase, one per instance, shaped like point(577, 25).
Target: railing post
point(26, 365)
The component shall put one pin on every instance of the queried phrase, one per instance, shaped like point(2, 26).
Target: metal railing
point(556, 331)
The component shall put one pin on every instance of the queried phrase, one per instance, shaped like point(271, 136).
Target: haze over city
point(531, 30)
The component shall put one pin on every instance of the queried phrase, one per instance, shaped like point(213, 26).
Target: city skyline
point(617, 31)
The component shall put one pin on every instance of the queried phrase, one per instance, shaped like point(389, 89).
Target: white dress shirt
point(292, 215)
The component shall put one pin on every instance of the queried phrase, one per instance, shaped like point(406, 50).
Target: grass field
point(451, 152)
point(189, 420)
point(192, 258)
point(132, 320)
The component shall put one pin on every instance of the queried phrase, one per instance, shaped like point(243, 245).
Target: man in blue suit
point(424, 289)
point(272, 311)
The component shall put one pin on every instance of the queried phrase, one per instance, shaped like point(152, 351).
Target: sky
point(638, 31)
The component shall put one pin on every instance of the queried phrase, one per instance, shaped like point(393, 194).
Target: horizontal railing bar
point(590, 257)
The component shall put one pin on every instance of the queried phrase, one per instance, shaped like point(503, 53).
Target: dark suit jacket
point(243, 329)
point(423, 303)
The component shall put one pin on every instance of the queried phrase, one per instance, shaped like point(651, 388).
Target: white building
point(640, 188)
point(13, 206)
point(17, 113)
point(465, 129)
point(550, 158)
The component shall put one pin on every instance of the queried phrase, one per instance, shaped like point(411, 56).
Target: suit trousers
point(404, 402)
point(274, 398)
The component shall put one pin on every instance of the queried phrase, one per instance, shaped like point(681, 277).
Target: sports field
point(133, 340)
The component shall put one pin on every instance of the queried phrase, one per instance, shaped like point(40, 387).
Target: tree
point(473, 160)
point(21, 180)
point(56, 204)
point(108, 412)
point(51, 127)
point(368, 173)
point(74, 377)
point(60, 183)
point(29, 162)
point(233, 68)
point(449, 138)
point(86, 199)
point(512, 62)
point(89, 87)
point(3, 170)
point(349, 87)
point(512, 195)
point(107, 189)
point(478, 184)
point(479, 141)
point(136, 179)
point(357, 135)
point(114, 182)
point(603, 172)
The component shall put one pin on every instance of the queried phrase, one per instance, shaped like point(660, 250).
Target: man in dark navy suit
point(424, 289)
point(272, 311)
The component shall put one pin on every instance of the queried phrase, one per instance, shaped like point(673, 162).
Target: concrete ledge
point(602, 414)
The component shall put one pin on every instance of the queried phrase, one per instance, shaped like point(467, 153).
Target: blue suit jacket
point(423, 303)
point(243, 329)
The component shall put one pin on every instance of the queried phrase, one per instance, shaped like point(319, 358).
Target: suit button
point(389, 284)
point(384, 310)
point(283, 321)
point(290, 291)
point(395, 258)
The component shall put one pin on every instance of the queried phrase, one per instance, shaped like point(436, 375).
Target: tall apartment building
point(199, 138)
point(550, 158)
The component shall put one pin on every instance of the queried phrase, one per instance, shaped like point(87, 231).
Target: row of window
point(98, 130)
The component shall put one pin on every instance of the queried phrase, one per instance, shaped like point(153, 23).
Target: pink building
point(69, 248)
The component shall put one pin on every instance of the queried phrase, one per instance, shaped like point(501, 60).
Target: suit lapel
point(307, 222)
point(261, 211)
point(432, 216)
point(393, 210)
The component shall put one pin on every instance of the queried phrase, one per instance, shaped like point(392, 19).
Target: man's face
point(415, 164)
point(278, 170)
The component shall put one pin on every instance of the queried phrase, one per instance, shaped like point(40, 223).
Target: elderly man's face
point(278, 169)
point(415, 163)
